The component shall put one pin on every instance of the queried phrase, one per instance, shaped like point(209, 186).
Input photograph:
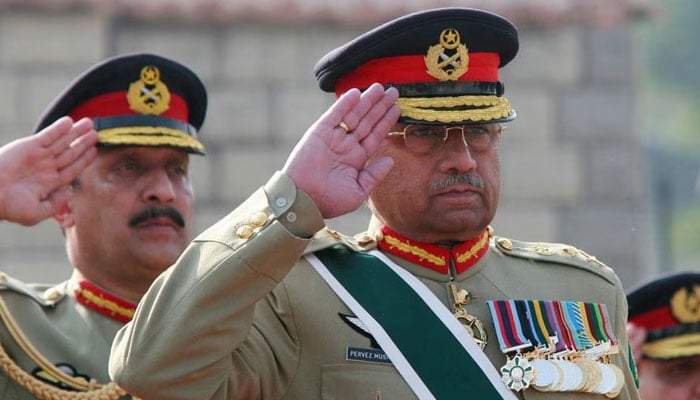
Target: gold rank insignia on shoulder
point(444, 66)
point(149, 95)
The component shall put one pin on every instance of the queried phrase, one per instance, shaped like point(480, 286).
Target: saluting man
point(128, 219)
point(664, 317)
point(428, 303)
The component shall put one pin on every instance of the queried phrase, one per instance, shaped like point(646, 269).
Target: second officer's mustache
point(157, 212)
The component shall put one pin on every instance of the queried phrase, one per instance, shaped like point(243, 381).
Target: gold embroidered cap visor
point(444, 62)
point(668, 307)
point(673, 347)
point(136, 100)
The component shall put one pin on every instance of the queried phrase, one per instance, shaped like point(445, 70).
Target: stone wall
point(572, 166)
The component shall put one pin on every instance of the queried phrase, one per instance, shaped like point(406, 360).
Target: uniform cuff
point(294, 209)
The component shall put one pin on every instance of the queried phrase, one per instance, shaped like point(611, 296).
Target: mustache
point(157, 212)
point(470, 178)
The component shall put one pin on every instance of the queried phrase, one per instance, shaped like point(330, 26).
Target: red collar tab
point(435, 257)
point(103, 302)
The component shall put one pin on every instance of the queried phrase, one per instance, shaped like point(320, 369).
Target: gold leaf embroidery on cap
point(685, 304)
point(443, 66)
point(149, 95)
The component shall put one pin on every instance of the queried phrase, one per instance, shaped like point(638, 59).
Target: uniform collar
point(433, 257)
point(105, 303)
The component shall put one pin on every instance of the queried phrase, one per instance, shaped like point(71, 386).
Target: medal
point(548, 374)
point(460, 298)
point(517, 373)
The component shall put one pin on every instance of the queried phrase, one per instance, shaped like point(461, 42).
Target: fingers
point(373, 173)
point(56, 200)
point(70, 135)
point(379, 131)
point(82, 137)
point(364, 114)
point(80, 159)
point(359, 112)
point(334, 115)
point(48, 136)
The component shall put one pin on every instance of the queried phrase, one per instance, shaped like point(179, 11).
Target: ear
point(64, 216)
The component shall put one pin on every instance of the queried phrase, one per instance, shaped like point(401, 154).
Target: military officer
point(429, 303)
point(35, 171)
point(128, 219)
point(665, 313)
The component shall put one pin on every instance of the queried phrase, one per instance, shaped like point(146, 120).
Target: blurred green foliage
point(671, 76)
point(670, 122)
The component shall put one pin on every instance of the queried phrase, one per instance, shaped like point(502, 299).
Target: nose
point(456, 153)
point(158, 187)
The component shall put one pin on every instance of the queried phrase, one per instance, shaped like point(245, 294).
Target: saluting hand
point(636, 336)
point(333, 165)
point(36, 171)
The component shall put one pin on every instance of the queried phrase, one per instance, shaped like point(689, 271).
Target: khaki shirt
point(241, 316)
point(62, 331)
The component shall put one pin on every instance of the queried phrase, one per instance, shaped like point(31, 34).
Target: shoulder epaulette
point(71, 388)
point(554, 253)
point(328, 237)
point(45, 296)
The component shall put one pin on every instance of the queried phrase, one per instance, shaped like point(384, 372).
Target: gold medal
point(608, 379)
point(619, 382)
point(592, 375)
point(461, 298)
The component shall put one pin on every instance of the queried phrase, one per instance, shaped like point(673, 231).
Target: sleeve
point(192, 336)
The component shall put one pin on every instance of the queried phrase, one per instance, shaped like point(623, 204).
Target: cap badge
point(444, 66)
point(685, 304)
point(149, 95)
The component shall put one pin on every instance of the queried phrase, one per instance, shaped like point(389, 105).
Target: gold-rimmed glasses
point(423, 139)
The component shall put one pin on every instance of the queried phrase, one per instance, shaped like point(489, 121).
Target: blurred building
point(573, 167)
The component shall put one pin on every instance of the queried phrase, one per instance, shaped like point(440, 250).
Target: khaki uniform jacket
point(241, 316)
point(59, 329)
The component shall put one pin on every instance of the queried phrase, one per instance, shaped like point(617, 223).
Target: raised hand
point(36, 171)
point(636, 335)
point(333, 161)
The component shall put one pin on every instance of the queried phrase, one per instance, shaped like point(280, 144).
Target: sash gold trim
point(43, 390)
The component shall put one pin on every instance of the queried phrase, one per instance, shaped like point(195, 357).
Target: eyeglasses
point(423, 139)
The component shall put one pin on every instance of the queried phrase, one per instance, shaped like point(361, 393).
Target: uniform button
point(364, 239)
point(571, 251)
point(52, 294)
point(291, 216)
point(505, 243)
point(3, 277)
point(280, 202)
point(244, 232)
point(258, 219)
point(544, 250)
point(379, 236)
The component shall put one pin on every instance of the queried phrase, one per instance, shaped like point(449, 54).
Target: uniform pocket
point(363, 381)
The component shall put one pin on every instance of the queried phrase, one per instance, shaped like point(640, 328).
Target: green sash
point(428, 346)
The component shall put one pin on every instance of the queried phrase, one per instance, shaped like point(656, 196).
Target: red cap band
point(116, 104)
point(483, 67)
point(659, 318)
